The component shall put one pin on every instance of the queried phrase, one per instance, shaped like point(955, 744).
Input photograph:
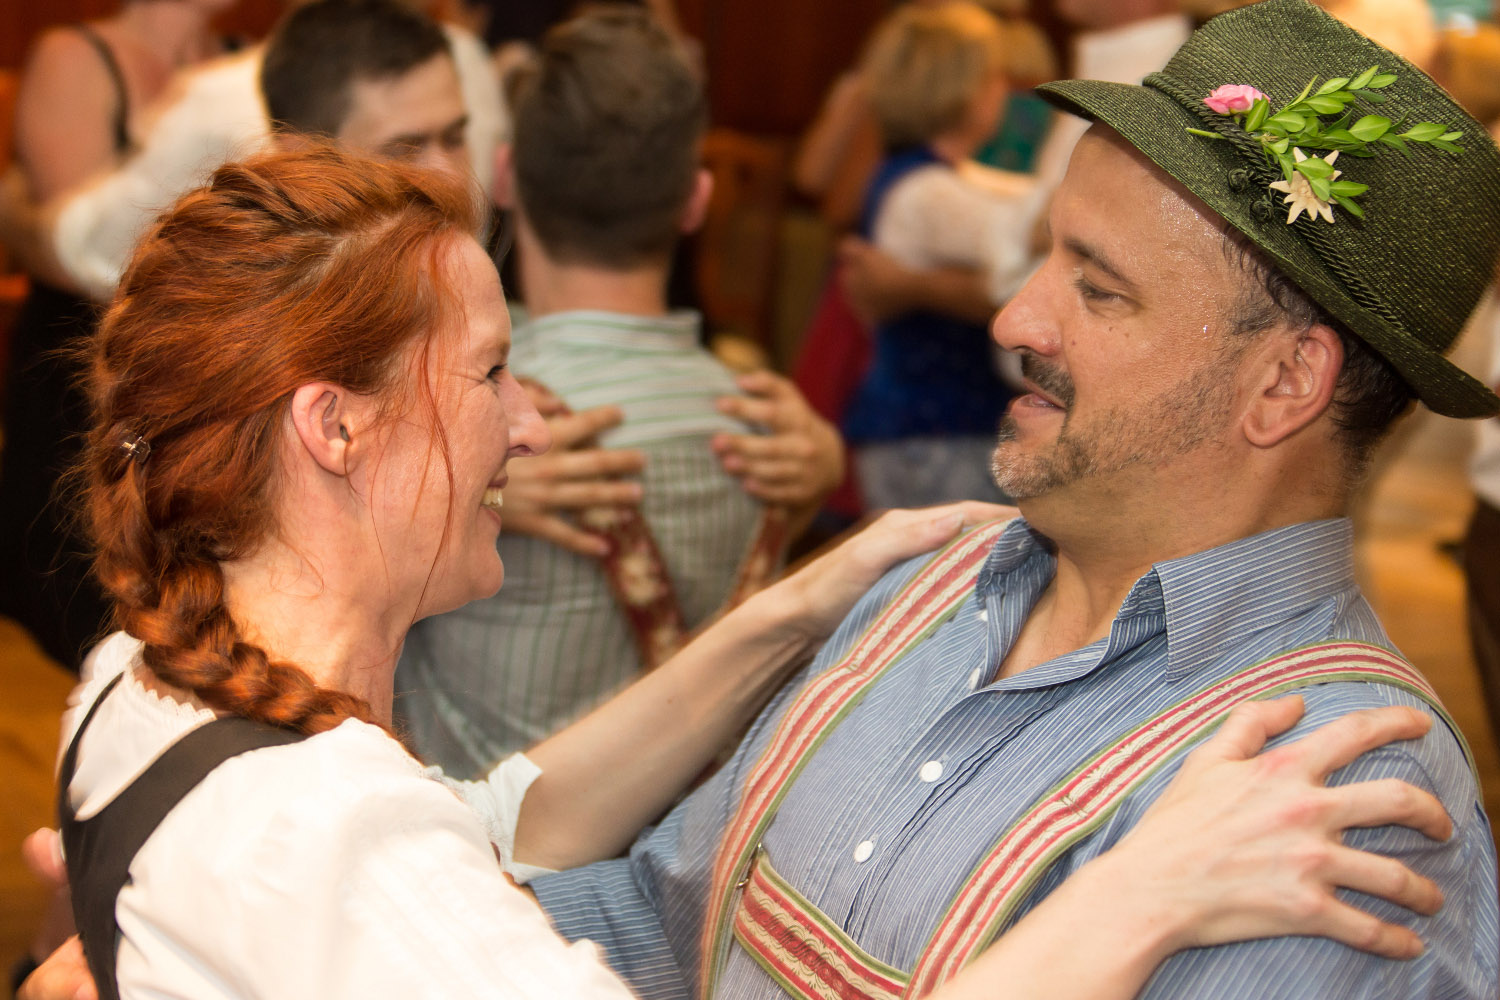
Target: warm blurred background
point(762, 262)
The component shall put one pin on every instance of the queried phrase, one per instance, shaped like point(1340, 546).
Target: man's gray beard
point(1024, 476)
point(1183, 417)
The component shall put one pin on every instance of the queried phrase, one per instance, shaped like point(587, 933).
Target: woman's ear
point(1300, 375)
point(324, 423)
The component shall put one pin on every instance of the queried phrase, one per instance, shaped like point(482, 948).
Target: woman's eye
point(494, 373)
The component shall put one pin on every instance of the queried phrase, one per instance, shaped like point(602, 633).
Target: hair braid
point(289, 269)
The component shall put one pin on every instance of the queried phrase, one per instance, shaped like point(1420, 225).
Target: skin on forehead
point(1126, 220)
point(418, 116)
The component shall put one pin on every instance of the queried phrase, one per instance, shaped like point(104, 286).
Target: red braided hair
point(319, 265)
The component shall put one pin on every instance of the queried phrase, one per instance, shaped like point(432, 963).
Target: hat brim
point(1155, 124)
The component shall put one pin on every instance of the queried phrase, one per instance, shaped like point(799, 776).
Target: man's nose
point(1027, 321)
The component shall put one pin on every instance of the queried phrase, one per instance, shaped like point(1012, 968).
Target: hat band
point(1256, 174)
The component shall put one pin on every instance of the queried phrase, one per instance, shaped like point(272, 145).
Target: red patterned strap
point(812, 957)
point(928, 599)
point(1082, 802)
point(762, 562)
point(802, 948)
point(637, 573)
point(638, 577)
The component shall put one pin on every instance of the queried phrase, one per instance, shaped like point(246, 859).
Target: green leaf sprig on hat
point(1310, 183)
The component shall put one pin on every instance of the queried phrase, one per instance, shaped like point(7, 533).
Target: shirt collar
point(676, 331)
point(1017, 546)
point(1213, 599)
point(1210, 600)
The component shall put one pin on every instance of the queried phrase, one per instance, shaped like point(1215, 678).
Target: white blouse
point(332, 867)
point(970, 216)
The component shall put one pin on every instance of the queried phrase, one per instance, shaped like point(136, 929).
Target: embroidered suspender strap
point(762, 562)
point(802, 948)
point(101, 848)
point(637, 576)
point(931, 597)
point(637, 573)
point(1082, 802)
point(812, 957)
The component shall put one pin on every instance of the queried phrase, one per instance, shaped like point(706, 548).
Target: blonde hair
point(924, 66)
point(1029, 57)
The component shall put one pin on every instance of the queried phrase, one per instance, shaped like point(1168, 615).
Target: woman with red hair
point(302, 417)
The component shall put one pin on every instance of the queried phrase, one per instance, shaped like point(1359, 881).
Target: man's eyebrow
point(405, 140)
point(1095, 256)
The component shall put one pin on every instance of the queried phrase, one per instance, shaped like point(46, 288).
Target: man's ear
point(324, 423)
point(1298, 376)
point(503, 187)
point(696, 209)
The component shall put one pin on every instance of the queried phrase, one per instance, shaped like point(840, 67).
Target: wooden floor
point(1416, 509)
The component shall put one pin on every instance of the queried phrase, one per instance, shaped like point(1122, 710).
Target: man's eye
point(495, 373)
point(1091, 292)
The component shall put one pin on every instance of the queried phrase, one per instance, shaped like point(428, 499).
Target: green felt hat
point(1406, 276)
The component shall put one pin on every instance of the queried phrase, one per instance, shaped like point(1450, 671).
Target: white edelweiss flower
point(1300, 195)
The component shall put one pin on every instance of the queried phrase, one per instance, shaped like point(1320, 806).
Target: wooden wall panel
point(770, 61)
point(23, 20)
point(20, 22)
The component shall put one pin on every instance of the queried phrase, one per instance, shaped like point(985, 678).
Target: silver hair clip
point(136, 447)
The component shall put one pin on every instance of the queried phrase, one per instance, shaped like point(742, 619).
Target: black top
point(122, 96)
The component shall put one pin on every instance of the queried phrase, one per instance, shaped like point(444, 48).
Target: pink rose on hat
point(1233, 98)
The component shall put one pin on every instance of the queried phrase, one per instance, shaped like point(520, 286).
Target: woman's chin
point(484, 585)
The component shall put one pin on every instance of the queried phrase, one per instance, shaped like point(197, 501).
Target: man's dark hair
point(318, 50)
point(1369, 395)
point(607, 127)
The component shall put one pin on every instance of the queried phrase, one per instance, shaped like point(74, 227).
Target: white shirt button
point(864, 850)
point(974, 679)
point(931, 771)
point(984, 614)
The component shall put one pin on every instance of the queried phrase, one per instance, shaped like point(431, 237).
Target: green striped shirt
point(502, 673)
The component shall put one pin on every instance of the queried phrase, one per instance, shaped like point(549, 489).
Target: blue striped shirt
point(998, 745)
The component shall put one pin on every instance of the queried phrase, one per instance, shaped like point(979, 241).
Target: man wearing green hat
point(1258, 258)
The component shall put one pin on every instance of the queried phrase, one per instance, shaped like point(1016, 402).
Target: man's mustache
point(1048, 377)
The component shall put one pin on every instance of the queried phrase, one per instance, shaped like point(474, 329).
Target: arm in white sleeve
point(970, 217)
point(212, 115)
point(496, 800)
